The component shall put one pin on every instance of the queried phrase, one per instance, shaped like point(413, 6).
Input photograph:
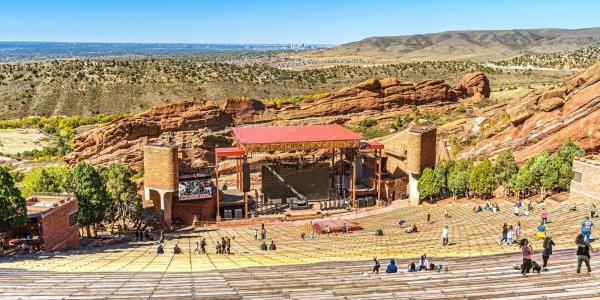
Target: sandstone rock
point(578, 120)
point(520, 113)
point(201, 126)
point(388, 82)
point(473, 84)
point(551, 103)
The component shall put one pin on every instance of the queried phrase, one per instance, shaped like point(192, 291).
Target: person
point(593, 211)
point(548, 243)
point(438, 268)
point(223, 246)
point(446, 215)
point(478, 209)
point(219, 249)
point(544, 215)
point(428, 217)
point(148, 236)
point(263, 234)
point(272, 245)
point(137, 234)
point(312, 235)
point(497, 207)
point(494, 208)
point(487, 206)
point(378, 232)
point(162, 237)
point(303, 235)
point(509, 235)
point(504, 233)
point(408, 229)
point(344, 229)
point(526, 250)
point(263, 246)
point(228, 246)
point(423, 262)
point(160, 249)
point(414, 228)
point(197, 247)
point(203, 245)
point(445, 235)
point(327, 230)
point(572, 205)
point(391, 267)
point(516, 210)
point(541, 231)
point(529, 205)
point(519, 204)
point(177, 250)
point(586, 228)
point(583, 253)
point(255, 234)
point(518, 231)
point(412, 268)
point(376, 266)
point(401, 222)
point(25, 248)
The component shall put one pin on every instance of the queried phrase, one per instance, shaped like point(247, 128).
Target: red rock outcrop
point(199, 126)
point(547, 119)
point(473, 85)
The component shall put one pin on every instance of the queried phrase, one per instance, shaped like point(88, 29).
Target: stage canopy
point(288, 138)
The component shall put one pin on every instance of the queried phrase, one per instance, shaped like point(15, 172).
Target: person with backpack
point(526, 251)
point(583, 253)
point(586, 228)
point(548, 243)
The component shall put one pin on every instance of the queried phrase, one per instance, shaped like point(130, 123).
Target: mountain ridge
point(477, 45)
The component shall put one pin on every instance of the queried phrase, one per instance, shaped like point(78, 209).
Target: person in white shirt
point(516, 210)
point(445, 235)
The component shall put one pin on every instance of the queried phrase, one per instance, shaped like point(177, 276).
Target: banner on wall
point(195, 187)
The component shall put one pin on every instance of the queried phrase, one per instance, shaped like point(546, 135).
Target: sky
point(272, 21)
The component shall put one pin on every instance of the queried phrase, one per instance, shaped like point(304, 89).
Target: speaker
point(245, 176)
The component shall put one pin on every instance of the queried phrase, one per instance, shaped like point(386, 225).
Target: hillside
point(84, 87)
point(475, 45)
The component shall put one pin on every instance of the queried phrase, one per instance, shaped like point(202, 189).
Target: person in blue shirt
point(160, 249)
point(391, 267)
point(541, 231)
point(586, 228)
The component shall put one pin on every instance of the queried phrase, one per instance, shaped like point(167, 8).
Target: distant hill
point(477, 45)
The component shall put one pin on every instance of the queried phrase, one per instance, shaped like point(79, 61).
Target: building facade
point(586, 177)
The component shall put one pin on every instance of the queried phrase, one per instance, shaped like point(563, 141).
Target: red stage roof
point(229, 151)
point(296, 137)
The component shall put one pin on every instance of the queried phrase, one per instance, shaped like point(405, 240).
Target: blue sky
point(269, 21)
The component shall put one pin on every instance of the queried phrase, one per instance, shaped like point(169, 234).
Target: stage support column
point(341, 174)
point(333, 168)
point(238, 185)
point(352, 183)
point(244, 189)
point(218, 215)
point(378, 154)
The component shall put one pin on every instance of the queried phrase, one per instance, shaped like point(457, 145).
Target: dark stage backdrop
point(310, 180)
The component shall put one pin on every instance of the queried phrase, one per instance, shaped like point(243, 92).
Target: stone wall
point(588, 184)
point(161, 168)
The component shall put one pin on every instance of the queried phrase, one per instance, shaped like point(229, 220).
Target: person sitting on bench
point(391, 267)
point(177, 250)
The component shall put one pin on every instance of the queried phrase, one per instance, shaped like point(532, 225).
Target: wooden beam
point(352, 183)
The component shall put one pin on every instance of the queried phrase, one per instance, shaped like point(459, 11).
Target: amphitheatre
point(306, 172)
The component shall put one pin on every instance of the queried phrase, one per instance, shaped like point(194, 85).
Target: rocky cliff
point(547, 118)
point(200, 126)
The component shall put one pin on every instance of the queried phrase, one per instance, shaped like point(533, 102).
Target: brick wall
point(56, 231)
point(161, 167)
point(590, 179)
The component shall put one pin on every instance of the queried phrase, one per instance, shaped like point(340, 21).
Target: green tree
point(482, 178)
point(441, 172)
point(428, 186)
point(458, 183)
point(523, 181)
point(568, 151)
point(45, 179)
point(122, 192)
point(13, 208)
point(505, 168)
point(87, 185)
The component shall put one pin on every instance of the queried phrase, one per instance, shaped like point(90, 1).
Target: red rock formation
point(200, 126)
point(473, 85)
point(547, 119)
